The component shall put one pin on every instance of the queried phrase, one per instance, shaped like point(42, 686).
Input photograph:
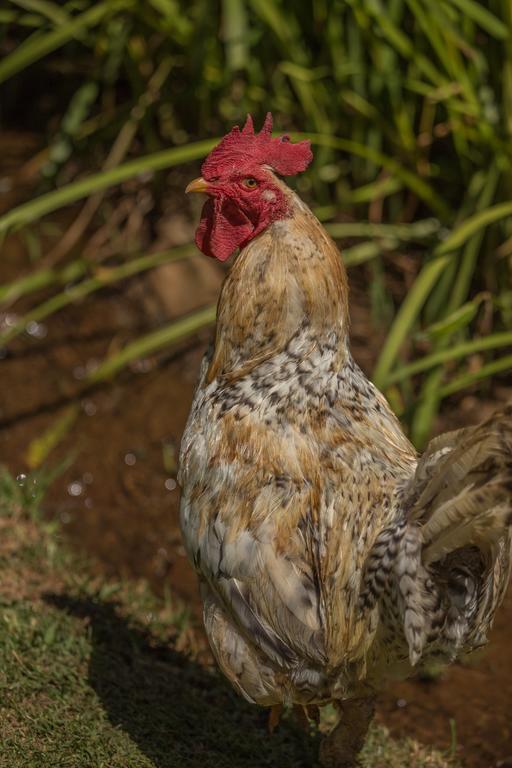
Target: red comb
point(241, 148)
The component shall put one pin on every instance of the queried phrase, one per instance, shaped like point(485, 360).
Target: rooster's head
point(245, 196)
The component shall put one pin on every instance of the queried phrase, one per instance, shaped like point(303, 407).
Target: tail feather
point(473, 519)
point(451, 561)
point(465, 498)
point(468, 457)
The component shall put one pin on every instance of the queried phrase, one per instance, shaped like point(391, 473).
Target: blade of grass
point(39, 45)
point(363, 252)
point(483, 18)
point(444, 329)
point(325, 212)
point(29, 20)
point(418, 230)
point(472, 225)
point(104, 277)
point(43, 444)
point(374, 191)
point(486, 371)
point(405, 317)
point(11, 292)
point(235, 34)
point(77, 190)
point(173, 333)
point(494, 341)
point(51, 10)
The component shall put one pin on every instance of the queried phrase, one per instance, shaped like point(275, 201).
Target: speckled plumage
point(329, 558)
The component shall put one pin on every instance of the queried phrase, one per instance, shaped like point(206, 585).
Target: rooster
point(330, 557)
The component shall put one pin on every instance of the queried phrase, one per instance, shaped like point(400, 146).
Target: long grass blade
point(105, 276)
point(407, 314)
point(42, 445)
point(501, 365)
point(42, 278)
point(173, 333)
point(363, 252)
point(52, 11)
point(472, 225)
point(39, 45)
point(494, 341)
point(374, 191)
point(235, 34)
point(419, 230)
point(35, 209)
point(484, 18)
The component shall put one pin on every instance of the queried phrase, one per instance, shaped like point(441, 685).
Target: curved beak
point(198, 185)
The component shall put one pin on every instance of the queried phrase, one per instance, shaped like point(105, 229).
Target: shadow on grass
point(177, 712)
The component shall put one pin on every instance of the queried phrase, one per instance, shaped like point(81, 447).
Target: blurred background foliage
point(408, 104)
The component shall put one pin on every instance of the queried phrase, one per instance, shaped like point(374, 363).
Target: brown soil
point(117, 500)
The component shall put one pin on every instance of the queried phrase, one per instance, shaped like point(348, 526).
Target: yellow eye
point(250, 183)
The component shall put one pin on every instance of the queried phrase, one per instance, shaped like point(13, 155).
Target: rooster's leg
point(343, 744)
point(301, 715)
point(274, 717)
point(313, 713)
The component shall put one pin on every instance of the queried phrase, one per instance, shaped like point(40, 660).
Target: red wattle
point(222, 229)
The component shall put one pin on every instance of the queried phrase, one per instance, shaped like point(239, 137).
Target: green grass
point(97, 674)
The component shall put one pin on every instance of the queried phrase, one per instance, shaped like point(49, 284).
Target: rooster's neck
point(287, 287)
